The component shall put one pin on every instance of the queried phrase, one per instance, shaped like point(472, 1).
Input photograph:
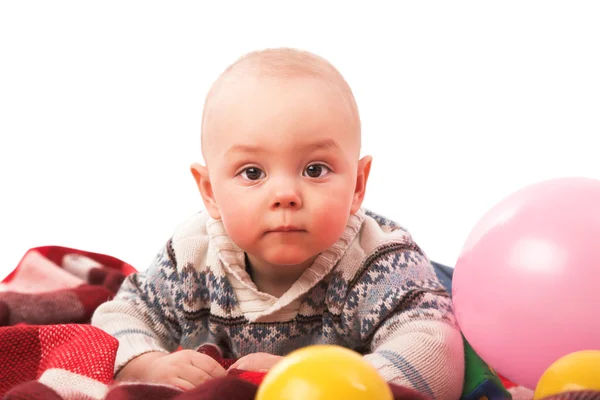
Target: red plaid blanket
point(48, 350)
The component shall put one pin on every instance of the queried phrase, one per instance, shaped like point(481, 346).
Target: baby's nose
point(287, 199)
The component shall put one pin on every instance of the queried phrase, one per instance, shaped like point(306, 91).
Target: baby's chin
point(289, 256)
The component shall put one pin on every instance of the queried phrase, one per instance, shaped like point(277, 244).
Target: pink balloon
point(526, 286)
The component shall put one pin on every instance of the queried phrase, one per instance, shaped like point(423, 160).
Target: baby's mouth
point(287, 229)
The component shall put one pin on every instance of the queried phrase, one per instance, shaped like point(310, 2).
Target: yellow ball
point(323, 372)
point(576, 371)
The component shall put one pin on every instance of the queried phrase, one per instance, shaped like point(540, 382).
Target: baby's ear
point(364, 167)
point(200, 173)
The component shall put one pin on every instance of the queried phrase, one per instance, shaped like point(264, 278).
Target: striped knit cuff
point(133, 343)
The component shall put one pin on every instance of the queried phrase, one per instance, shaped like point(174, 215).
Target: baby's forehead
point(263, 72)
point(283, 65)
point(258, 71)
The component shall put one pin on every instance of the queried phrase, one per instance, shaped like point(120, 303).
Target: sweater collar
point(232, 259)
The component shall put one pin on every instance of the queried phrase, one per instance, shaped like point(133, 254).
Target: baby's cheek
point(331, 219)
point(241, 226)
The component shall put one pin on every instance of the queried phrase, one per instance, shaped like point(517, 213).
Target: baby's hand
point(185, 369)
point(261, 362)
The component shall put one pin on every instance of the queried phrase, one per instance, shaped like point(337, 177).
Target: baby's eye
point(252, 174)
point(316, 170)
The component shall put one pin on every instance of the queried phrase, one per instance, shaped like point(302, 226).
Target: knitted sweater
point(373, 291)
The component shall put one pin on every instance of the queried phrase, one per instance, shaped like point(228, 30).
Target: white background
point(461, 102)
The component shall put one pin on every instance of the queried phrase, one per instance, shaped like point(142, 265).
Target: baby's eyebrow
point(325, 144)
point(245, 148)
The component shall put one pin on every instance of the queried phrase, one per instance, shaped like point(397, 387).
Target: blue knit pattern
point(377, 294)
point(395, 279)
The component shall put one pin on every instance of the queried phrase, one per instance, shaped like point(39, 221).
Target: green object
point(481, 382)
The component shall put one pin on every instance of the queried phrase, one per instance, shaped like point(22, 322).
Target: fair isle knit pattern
point(373, 291)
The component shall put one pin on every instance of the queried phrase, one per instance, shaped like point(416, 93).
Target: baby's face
point(282, 157)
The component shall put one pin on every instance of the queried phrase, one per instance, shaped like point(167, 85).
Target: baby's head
point(281, 142)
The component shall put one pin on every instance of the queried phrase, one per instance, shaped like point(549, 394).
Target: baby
point(284, 255)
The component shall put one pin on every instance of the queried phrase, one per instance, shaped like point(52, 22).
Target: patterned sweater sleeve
point(142, 315)
point(406, 315)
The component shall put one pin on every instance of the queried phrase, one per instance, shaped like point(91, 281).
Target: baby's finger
point(235, 365)
point(208, 365)
point(239, 364)
point(260, 362)
point(193, 375)
point(182, 384)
